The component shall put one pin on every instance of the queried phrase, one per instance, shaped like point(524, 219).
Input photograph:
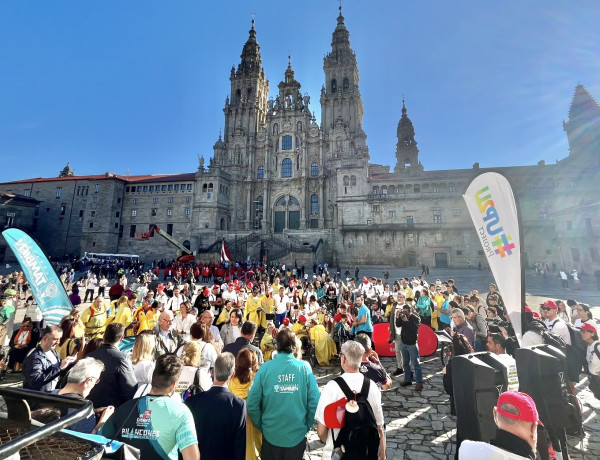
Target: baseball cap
point(286, 321)
point(588, 327)
point(302, 319)
point(550, 304)
point(525, 405)
point(335, 413)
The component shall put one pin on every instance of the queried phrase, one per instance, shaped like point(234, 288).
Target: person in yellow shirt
point(267, 302)
point(268, 344)
point(224, 315)
point(246, 366)
point(254, 311)
point(124, 314)
point(325, 348)
point(299, 327)
point(95, 319)
point(79, 327)
point(407, 290)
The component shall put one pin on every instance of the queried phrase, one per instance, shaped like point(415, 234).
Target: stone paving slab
point(419, 425)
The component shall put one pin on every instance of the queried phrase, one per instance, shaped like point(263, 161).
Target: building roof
point(136, 179)
point(9, 196)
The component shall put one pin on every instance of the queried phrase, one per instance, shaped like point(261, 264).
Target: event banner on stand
point(48, 291)
point(494, 211)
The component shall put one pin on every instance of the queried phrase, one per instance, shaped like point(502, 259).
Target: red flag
point(225, 257)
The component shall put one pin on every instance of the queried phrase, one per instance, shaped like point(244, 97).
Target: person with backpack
point(549, 311)
point(349, 414)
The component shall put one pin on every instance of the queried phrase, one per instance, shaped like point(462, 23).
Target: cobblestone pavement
point(419, 425)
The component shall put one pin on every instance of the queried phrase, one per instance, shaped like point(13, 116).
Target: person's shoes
point(406, 384)
point(398, 372)
point(418, 387)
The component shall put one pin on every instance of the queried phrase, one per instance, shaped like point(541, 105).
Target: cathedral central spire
point(251, 62)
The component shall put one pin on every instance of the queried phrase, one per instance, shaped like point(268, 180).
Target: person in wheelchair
point(341, 333)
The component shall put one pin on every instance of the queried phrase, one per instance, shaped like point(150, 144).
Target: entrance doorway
point(441, 260)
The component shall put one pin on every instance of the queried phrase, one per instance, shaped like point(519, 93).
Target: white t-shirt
point(592, 359)
point(560, 328)
point(332, 393)
point(281, 303)
point(531, 338)
point(180, 324)
point(143, 371)
point(477, 450)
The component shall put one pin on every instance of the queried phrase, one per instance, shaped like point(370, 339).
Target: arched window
point(352, 181)
point(286, 143)
point(299, 126)
point(238, 96)
point(314, 169)
point(392, 189)
point(286, 168)
point(375, 190)
point(210, 187)
point(346, 181)
point(249, 95)
point(204, 187)
point(293, 202)
point(384, 190)
point(280, 201)
point(261, 172)
point(314, 205)
point(333, 85)
point(346, 84)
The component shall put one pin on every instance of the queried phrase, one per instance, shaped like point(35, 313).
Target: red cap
point(216, 286)
point(525, 405)
point(335, 413)
point(550, 304)
point(286, 321)
point(536, 315)
point(527, 309)
point(588, 327)
point(160, 287)
point(302, 319)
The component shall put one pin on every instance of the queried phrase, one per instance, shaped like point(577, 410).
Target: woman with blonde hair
point(142, 358)
point(246, 365)
point(193, 373)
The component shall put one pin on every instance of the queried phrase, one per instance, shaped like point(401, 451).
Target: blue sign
point(47, 289)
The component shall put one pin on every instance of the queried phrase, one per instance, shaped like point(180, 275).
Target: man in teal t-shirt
point(156, 424)
point(362, 321)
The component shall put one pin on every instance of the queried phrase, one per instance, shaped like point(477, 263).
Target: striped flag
point(225, 257)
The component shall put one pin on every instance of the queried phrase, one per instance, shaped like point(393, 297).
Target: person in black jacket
point(410, 350)
point(117, 382)
point(42, 368)
point(220, 416)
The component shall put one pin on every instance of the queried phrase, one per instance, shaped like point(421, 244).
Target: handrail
point(85, 410)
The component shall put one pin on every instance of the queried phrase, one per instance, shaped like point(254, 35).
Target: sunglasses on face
point(545, 308)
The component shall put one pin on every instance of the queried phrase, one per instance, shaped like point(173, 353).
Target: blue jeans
point(279, 318)
point(410, 355)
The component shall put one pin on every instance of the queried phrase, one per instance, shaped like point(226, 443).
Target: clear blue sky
point(139, 86)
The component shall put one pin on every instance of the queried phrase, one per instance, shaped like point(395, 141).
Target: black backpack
point(359, 437)
point(548, 337)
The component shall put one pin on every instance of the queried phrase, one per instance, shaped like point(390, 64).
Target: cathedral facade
point(279, 182)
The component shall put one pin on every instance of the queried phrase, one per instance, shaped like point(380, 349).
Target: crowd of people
point(220, 363)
